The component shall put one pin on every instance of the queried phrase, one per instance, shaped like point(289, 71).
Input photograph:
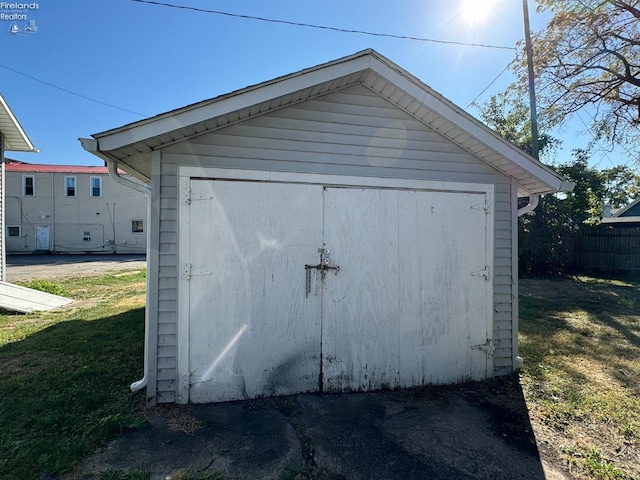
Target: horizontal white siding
point(352, 132)
point(167, 340)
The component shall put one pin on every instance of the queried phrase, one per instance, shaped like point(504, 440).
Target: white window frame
point(134, 232)
point(91, 187)
point(75, 186)
point(86, 236)
point(24, 185)
point(14, 226)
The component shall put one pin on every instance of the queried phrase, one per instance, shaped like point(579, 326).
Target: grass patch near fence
point(580, 338)
point(65, 375)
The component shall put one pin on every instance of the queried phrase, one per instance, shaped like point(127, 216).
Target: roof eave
point(535, 178)
point(15, 138)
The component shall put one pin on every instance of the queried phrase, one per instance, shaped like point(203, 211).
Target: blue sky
point(148, 59)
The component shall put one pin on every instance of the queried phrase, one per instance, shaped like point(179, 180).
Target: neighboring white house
point(340, 228)
point(71, 209)
point(12, 139)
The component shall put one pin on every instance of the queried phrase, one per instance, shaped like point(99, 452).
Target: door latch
point(323, 266)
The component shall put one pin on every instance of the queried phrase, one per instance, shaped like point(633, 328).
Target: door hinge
point(486, 347)
point(186, 196)
point(481, 206)
point(482, 273)
point(186, 271)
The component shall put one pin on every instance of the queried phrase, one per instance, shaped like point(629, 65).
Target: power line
point(323, 27)
point(488, 86)
point(70, 92)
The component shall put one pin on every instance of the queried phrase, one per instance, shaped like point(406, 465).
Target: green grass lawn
point(65, 375)
point(580, 338)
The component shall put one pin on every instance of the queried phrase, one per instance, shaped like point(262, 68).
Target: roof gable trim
point(241, 100)
point(15, 138)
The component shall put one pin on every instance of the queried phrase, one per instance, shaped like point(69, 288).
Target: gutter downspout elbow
point(531, 206)
point(112, 168)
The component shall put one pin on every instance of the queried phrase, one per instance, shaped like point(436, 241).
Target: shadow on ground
point(469, 431)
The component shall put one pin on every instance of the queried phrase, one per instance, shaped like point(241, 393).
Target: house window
point(137, 226)
point(13, 231)
point(96, 186)
point(70, 186)
point(28, 186)
point(86, 236)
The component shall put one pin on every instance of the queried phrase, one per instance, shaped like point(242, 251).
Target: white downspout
point(91, 145)
point(140, 384)
point(112, 168)
point(531, 206)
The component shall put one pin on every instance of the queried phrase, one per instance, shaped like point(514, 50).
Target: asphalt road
point(49, 267)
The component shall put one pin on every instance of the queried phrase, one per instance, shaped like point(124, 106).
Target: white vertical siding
point(352, 132)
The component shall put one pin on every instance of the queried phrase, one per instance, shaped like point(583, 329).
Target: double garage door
point(296, 287)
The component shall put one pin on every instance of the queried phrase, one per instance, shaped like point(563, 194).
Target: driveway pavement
point(50, 267)
point(470, 431)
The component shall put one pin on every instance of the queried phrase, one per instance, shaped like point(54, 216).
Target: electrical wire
point(323, 27)
point(70, 92)
point(488, 86)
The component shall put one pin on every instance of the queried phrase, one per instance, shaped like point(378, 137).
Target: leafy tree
point(545, 235)
point(589, 56)
point(509, 116)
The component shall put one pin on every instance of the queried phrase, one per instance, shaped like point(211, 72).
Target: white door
point(409, 305)
point(42, 237)
point(411, 299)
point(253, 331)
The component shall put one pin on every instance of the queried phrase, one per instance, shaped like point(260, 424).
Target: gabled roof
point(15, 139)
point(626, 214)
point(131, 145)
point(623, 212)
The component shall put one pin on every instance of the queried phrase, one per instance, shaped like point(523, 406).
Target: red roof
point(12, 166)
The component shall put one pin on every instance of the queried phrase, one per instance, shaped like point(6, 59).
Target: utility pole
point(532, 89)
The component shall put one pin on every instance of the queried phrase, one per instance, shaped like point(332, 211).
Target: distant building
point(71, 209)
point(628, 216)
point(12, 139)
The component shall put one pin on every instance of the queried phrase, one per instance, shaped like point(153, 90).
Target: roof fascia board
point(254, 95)
point(624, 209)
point(466, 122)
point(18, 131)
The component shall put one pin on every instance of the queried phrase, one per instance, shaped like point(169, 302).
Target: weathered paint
point(383, 320)
point(351, 122)
point(252, 330)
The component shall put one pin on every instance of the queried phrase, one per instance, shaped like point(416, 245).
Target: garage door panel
point(410, 304)
point(444, 305)
point(360, 303)
point(253, 331)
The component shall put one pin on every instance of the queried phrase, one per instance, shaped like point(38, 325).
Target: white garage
point(343, 228)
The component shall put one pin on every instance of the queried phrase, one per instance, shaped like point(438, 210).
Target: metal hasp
point(323, 266)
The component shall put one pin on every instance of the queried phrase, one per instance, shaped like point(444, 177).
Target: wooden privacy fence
point(608, 248)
